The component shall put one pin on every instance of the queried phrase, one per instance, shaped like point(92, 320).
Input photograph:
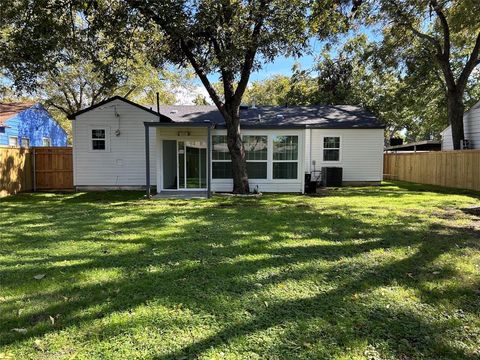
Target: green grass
point(390, 272)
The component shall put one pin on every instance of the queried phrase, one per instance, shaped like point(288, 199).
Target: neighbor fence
point(38, 168)
point(456, 169)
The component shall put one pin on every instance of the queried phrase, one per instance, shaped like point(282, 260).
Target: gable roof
point(328, 117)
point(101, 103)
point(9, 110)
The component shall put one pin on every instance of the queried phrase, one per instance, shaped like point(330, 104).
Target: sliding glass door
point(192, 164)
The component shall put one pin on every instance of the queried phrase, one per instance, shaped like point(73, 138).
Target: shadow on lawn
point(224, 267)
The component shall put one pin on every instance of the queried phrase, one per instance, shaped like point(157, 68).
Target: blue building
point(27, 124)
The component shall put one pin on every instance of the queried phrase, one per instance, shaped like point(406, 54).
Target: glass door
point(192, 165)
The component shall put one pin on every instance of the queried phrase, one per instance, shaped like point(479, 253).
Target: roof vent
point(254, 105)
point(259, 118)
point(280, 117)
point(173, 111)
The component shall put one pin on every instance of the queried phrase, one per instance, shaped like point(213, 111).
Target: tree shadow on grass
point(211, 265)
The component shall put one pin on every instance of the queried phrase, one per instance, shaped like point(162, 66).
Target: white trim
point(339, 150)
point(21, 141)
point(16, 141)
point(49, 141)
point(107, 139)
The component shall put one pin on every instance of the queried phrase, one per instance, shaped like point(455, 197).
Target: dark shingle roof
point(331, 117)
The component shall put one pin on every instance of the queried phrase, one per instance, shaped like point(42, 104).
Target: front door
point(192, 164)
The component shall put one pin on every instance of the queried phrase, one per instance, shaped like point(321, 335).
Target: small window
point(13, 141)
point(2, 129)
point(331, 148)
point(46, 141)
point(98, 139)
point(25, 142)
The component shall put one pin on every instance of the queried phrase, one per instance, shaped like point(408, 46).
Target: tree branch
point(472, 62)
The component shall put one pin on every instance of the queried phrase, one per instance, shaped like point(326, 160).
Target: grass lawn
point(390, 272)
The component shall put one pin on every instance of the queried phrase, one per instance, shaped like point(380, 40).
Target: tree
point(270, 91)
point(450, 35)
point(226, 37)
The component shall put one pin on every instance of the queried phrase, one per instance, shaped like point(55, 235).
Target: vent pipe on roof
point(253, 104)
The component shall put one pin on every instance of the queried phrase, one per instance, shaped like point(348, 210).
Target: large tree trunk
point(456, 109)
point(237, 152)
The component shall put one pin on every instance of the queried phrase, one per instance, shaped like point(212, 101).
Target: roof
point(329, 117)
point(9, 110)
point(101, 103)
point(426, 145)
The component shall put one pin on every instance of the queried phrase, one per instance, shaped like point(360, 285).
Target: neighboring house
point(471, 124)
point(29, 124)
point(282, 144)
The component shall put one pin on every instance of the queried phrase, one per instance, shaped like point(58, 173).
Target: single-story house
point(187, 150)
point(29, 124)
point(471, 124)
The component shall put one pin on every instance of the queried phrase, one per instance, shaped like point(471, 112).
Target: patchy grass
point(385, 272)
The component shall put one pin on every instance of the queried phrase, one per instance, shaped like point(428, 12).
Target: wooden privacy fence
point(53, 168)
point(456, 169)
point(39, 168)
point(15, 170)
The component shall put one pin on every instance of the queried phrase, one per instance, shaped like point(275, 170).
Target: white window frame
point(273, 161)
point(21, 142)
point(259, 161)
point(107, 139)
point(339, 150)
point(10, 138)
point(218, 161)
point(46, 139)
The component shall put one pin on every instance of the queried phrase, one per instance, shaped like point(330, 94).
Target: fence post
point(34, 173)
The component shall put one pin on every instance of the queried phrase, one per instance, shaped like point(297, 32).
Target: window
point(13, 141)
point(2, 129)
point(256, 152)
point(98, 139)
point(46, 141)
point(331, 148)
point(221, 161)
point(285, 157)
point(25, 142)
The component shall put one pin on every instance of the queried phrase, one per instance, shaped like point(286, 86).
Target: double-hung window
point(25, 143)
point(256, 155)
point(13, 141)
point(46, 141)
point(331, 148)
point(99, 139)
point(221, 160)
point(285, 157)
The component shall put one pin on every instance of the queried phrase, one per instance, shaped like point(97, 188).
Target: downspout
point(147, 159)
point(209, 165)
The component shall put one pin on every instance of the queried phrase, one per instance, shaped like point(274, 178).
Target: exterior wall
point(35, 124)
point(471, 123)
point(122, 164)
point(226, 185)
point(361, 153)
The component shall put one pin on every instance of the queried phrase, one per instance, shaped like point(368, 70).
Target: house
point(183, 145)
point(29, 124)
point(471, 124)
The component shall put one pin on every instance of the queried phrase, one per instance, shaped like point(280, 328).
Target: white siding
point(123, 163)
point(471, 123)
point(361, 153)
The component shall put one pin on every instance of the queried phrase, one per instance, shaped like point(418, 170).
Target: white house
point(187, 146)
point(471, 124)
